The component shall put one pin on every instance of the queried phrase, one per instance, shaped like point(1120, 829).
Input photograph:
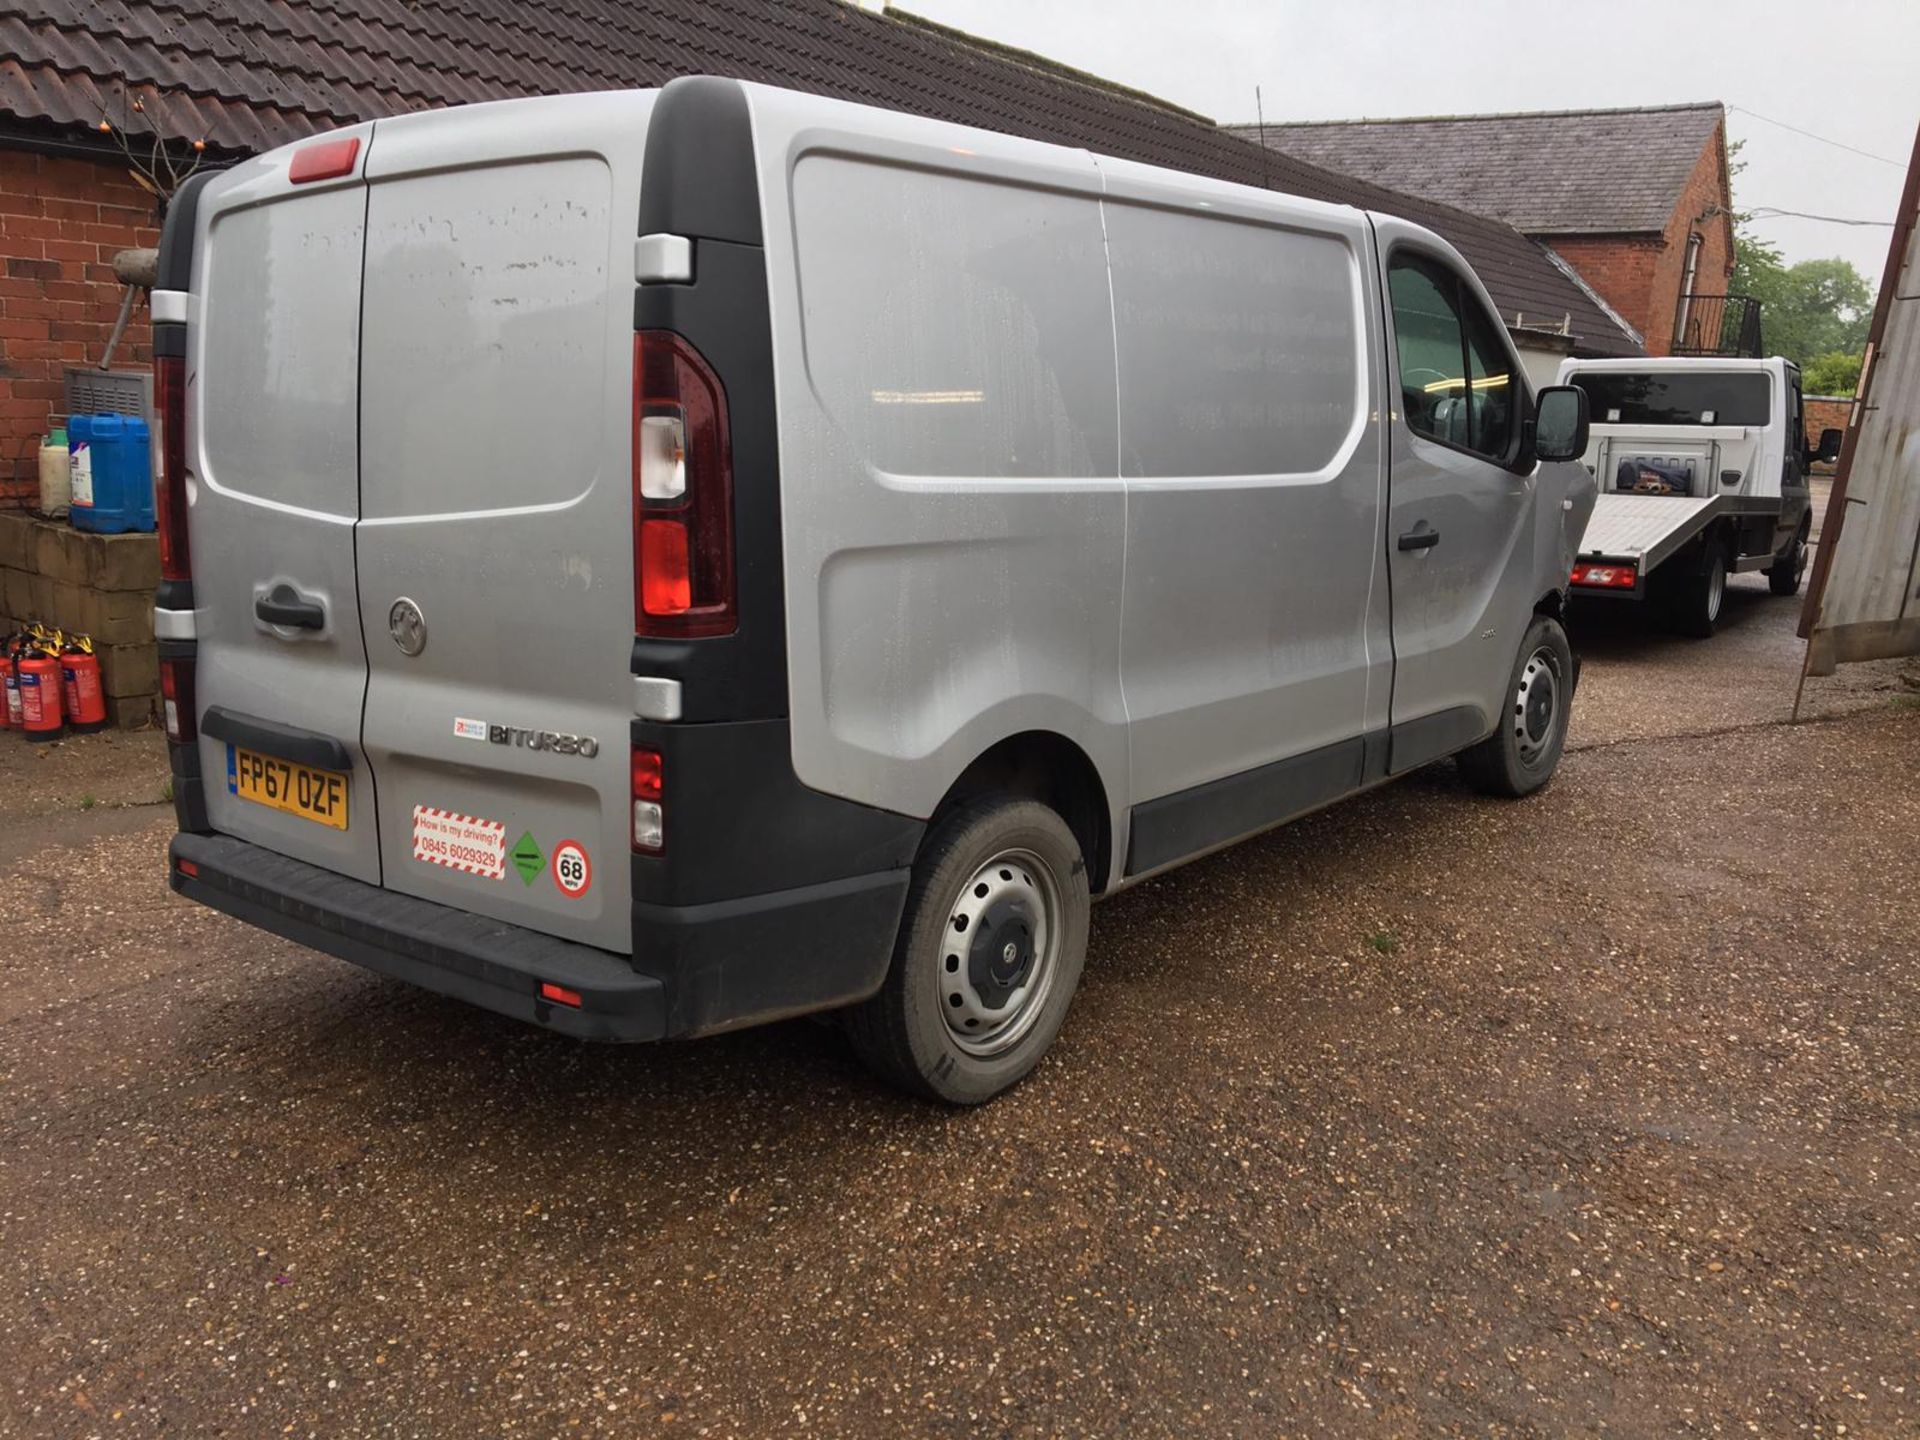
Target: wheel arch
point(1046, 766)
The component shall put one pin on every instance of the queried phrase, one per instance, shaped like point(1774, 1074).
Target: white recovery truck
point(1702, 465)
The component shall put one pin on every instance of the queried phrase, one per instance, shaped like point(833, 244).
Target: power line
point(1774, 212)
point(1837, 144)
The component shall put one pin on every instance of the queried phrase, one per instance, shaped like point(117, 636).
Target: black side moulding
point(701, 181)
point(699, 177)
point(176, 258)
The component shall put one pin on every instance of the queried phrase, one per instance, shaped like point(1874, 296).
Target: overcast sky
point(1848, 70)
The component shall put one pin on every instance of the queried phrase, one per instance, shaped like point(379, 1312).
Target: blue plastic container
point(112, 473)
point(86, 495)
point(136, 477)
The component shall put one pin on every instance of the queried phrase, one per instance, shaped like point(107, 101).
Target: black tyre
point(988, 956)
point(1783, 576)
point(1522, 754)
point(1694, 602)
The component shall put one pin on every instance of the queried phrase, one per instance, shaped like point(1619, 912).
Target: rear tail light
point(682, 493)
point(559, 994)
point(1606, 577)
point(176, 700)
point(170, 466)
point(649, 812)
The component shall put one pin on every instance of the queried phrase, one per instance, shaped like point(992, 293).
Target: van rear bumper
point(485, 962)
point(699, 968)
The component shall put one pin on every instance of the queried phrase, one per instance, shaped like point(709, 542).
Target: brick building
point(246, 75)
point(1636, 201)
point(65, 211)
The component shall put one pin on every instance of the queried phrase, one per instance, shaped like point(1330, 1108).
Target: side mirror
point(1829, 450)
point(1560, 423)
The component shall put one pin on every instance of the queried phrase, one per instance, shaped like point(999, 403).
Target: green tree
point(1816, 312)
point(1835, 374)
point(1808, 310)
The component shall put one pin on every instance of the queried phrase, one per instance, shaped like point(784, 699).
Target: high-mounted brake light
point(1605, 577)
point(326, 160)
point(170, 466)
point(649, 791)
point(682, 493)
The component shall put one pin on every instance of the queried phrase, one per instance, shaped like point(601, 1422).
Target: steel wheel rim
point(1536, 705)
point(1716, 588)
point(999, 953)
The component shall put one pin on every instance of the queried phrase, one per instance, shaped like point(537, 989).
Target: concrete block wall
point(98, 585)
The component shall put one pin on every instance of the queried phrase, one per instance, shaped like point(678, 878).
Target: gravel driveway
point(1594, 1112)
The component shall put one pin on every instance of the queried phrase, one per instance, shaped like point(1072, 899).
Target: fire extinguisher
point(85, 701)
point(9, 685)
point(38, 674)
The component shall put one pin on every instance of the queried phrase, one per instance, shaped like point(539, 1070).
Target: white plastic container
point(56, 474)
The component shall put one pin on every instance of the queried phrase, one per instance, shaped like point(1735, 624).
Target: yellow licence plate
point(318, 795)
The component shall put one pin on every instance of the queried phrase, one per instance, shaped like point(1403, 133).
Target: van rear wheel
point(988, 956)
point(1693, 604)
point(1522, 754)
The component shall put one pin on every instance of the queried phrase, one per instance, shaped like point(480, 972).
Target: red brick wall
point(1620, 267)
point(61, 222)
point(1641, 275)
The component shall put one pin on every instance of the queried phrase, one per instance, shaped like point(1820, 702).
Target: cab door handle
point(284, 605)
point(1421, 537)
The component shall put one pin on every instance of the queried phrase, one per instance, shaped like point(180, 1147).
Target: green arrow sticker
point(527, 858)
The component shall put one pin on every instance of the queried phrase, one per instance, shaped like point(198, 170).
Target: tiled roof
point(1551, 172)
point(247, 75)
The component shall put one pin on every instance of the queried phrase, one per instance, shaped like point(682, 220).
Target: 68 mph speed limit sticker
point(572, 870)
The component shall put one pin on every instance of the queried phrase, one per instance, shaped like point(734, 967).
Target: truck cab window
point(1456, 382)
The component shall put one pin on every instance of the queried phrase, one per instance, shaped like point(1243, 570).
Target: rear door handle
point(284, 605)
point(1421, 537)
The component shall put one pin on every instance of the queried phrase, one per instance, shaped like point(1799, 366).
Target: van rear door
point(496, 540)
point(273, 386)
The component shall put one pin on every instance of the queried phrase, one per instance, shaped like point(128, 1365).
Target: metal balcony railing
point(1718, 325)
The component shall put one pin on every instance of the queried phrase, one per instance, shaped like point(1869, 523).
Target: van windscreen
point(1622, 397)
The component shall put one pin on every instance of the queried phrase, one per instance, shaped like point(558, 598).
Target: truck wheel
point(988, 955)
point(1520, 756)
point(1695, 600)
point(1783, 576)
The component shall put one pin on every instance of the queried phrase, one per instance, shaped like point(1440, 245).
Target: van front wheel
point(1783, 576)
point(988, 955)
point(1523, 752)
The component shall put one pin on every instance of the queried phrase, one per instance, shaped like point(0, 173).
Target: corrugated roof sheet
point(251, 74)
point(1549, 172)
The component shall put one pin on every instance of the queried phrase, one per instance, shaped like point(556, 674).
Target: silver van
point(654, 562)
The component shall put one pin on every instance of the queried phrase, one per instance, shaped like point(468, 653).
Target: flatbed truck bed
point(1639, 533)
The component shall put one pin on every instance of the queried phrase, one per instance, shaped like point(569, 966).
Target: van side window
point(1490, 406)
point(1456, 383)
